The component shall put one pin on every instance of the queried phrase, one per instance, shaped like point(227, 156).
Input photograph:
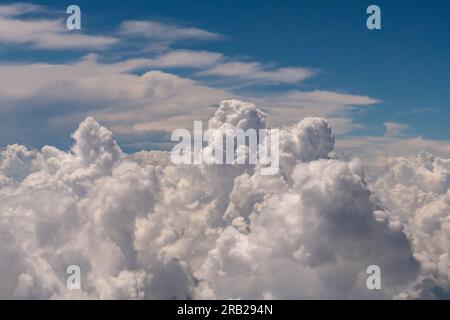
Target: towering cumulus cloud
point(141, 227)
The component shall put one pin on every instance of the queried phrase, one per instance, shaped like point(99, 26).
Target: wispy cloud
point(11, 10)
point(186, 58)
point(375, 150)
point(166, 32)
point(395, 129)
point(258, 71)
point(138, 95)
point(336, 107)
point(43, 32)
point(139, 104)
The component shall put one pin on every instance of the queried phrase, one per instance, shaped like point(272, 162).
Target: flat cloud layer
point(141, 227)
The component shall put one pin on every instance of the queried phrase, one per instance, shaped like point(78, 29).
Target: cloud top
point(140, 227)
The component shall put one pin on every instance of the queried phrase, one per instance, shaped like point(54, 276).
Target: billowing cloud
point(133, 97)
point(141, 227)
point(131, 104)
point(336, 107)
point(416, 193)
point(17, 9)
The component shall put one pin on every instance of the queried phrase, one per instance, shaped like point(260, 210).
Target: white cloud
point(375, 150)
point(416, 191)
point(47, 32)
point(166, 32)
point(395, 129)
point(43, 33)
point(139, 104)
point(16, 9)
point(140, 227)
point(186, 58)
point(332, 97)
point(257, 71)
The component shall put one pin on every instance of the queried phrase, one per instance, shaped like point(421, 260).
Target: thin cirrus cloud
point(20, 9)
point(142, 94)
point(375, 150)
point(216, 64)
point(395, 129)
point(143, 228)
point(43, 33)
point(136, 104)
point(46, 32)
point(56, 96)
point(258, 71)
point(186, 58)
point(167, 32)
point(137, 221)
point(287, 107)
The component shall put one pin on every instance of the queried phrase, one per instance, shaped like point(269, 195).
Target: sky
point(401, 70)
point(364, 167)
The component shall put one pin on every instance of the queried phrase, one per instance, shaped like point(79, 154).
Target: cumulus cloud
point(336, 107)
point(416, 193)
point(17, 9)
point(186, 59)
point(141, 227)
point(129, 103)
point(131, 90)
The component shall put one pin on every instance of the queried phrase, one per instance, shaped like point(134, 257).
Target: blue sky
point(404, 66)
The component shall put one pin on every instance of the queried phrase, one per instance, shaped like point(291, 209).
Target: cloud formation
point(257, 71)
point(395, 129)
point(141, 227)
point(137, 100)
point(43, 33)
point(416, 193)
point(168, 32)
point(141, 93)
